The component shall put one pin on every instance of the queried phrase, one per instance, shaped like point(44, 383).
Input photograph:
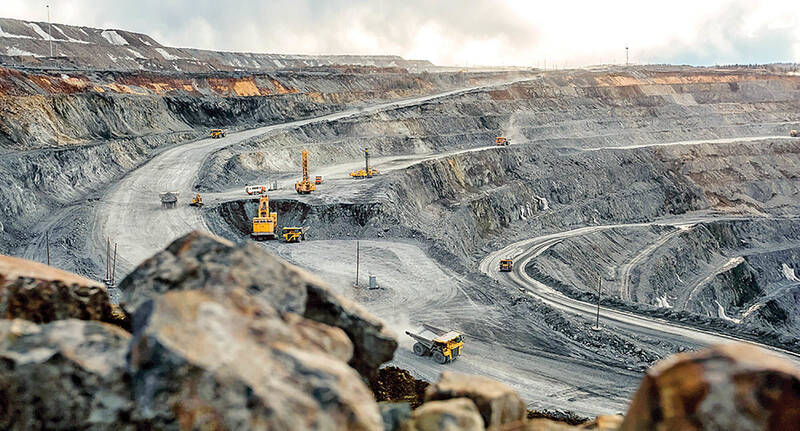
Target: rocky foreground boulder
point(40, 293)
point(497, 403)
point(68, 374)
point(220, 268)
point(729, 387)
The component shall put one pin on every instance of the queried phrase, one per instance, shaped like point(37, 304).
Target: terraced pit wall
point(65, 135)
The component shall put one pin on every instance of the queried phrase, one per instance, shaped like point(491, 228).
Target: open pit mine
point(214, 240)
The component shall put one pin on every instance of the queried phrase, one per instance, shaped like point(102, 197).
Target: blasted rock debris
point(448, 415)
point(40, 293)
point(729, 387)
point(250, 274)
point(68, 374)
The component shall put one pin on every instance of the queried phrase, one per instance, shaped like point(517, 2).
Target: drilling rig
point(305, 186)
point(367, 172)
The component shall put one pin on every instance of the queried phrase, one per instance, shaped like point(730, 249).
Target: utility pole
point(114, 267)
point(626, 56)
point(47, 240)
point(599, 287)
point(358, 250)
point(49, 33)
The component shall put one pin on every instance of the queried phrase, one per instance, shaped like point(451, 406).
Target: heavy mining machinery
point(294, 233)
point(367, 172)
point(264, 223)
point(501, 141)
point(197, 200)
point(305, 186)
point(444, 346)
point(794, 133)
point(217, 133)
point(506, 265)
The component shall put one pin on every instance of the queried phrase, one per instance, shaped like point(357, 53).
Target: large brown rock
point(458, 414)
point(202, 361)
point(728, 387)
point(601, 423)
point(497, 403)
point(66, 374)
point(199, 261)
point(40, 293)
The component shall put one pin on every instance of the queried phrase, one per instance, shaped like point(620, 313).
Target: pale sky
point(451, 32)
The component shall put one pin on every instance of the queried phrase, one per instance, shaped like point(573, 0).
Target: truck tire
point(420, 350)
point(439, 357)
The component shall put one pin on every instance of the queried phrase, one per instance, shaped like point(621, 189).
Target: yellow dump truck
point(444, 346)
point(794, 133)
point(506, 265)
point(217, 133)
point(294, 233)
point(501, 141)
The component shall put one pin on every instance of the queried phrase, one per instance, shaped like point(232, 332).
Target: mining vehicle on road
point(794, 133)
point(444, 346)
point(217, 133)
point(367, 172)
point(506, 265)
point(168, 199)
point(197, 200)
point(501, 141)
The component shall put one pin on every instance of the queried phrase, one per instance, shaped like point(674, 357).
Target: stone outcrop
point(729, 387)
point(254, 277)
point(203, 361)
point(498, 404)
point(457, 414)
point(40, 293)
point(66, 374)
point(601, 423)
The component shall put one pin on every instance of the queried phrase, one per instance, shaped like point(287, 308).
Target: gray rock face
point(67, 374)
point(497, 403)
point(253, 278)
point(458, 414)
point(200, 361)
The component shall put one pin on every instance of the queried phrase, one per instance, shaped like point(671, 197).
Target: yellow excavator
point(305, 186)
point(264, 223)
point(367, 172)
point(197, 200)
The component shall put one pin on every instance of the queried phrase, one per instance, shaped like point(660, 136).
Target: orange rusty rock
point(733, 386)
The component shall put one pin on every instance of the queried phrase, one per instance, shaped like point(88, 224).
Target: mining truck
point(294, 233)
point(444, 346)
point(794, 133)
point(501, 141)
point(506, 265)
point(217, 133)
point(168, 199)
point(197, 200)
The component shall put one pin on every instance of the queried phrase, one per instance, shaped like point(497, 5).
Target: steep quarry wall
point(64, 135)
point(560, 109)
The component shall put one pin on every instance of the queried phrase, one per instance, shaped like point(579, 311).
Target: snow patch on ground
point(166, 55)
point(35, 27)
point(18, 36)
point(543, 203)
point(67, 38)
point(663, 302)
point(113, 37)
point(135, 53)
point(144, 42)
point(788, 272)
point(12, 50)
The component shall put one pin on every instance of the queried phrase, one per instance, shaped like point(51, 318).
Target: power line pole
point(357, 257)
point(49, 33)
point(599, 287)
point(626, 56)
point(47, 240)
